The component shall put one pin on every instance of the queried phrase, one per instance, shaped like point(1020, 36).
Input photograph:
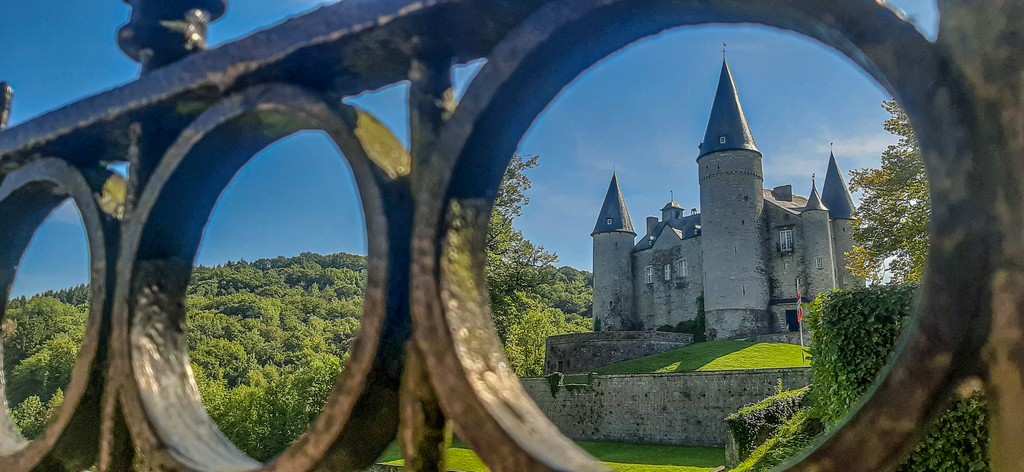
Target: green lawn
point(713, 355)
point(619, 456)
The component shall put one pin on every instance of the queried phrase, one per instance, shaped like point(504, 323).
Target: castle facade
point(744, 257)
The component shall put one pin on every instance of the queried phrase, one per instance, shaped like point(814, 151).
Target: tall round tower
point(613, 266)
point(731, 200)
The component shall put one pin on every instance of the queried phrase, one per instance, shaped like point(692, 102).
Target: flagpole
point(800, 321)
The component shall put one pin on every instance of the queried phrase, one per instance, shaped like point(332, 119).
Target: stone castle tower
point(731, 179)
point(747, 254)
point(613, 249)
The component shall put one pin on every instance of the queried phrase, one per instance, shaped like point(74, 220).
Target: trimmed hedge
point(755, 423)
point(854, 334)
point(795, 435)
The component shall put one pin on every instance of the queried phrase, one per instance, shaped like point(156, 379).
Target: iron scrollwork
point(427, 353)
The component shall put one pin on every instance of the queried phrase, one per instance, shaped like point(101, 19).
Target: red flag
point(799, 308)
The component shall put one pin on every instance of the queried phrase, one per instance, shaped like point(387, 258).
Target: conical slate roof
point(614, 210)
point(814, 201)
point(727, 119)
point(834, 193)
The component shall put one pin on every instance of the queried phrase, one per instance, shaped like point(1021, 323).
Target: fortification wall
point(584, 352)
point(658, 408)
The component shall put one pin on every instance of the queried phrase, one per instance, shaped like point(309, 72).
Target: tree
point(891, 225)
point(528, 295)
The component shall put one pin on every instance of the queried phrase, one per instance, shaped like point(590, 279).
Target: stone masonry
point(688, 408)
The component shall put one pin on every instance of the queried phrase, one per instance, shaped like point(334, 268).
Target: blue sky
point(641, 112)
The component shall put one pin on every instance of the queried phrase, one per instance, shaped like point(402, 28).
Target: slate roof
point(671, 205)
point(727, 119)
point(683, 228)
point(814, 201)
point(614, 208)
point(796, 206)
point(834, 192)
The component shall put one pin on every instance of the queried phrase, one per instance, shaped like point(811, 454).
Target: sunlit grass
point(619, 456)
point(714, 356)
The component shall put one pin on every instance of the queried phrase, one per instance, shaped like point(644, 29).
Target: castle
point(745, 256)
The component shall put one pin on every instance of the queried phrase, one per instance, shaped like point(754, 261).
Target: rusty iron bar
point(427, 360)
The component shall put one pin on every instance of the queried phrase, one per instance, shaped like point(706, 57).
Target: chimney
point(652, 221)
point(783, 193)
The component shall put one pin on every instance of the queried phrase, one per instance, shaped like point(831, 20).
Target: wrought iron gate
point(427, 351)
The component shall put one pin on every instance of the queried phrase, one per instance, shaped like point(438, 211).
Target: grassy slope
point(713, 355)
point(619, 456)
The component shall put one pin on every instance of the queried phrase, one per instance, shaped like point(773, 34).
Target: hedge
point(854, 334)
point(755, 423)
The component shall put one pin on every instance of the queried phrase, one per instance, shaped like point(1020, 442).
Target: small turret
point(613, 265)
point(819, 256)
point(672, 211)
point(814, 201)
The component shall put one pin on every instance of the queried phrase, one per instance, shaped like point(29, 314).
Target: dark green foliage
point(854, 333)
point(957, 442)
point(530, 299)
point(791, 438)
point(554, 381)
point(753, 424)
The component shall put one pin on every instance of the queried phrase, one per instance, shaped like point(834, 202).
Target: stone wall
point(685, 409)
point(785, 338)
point(670, 301)
point(584, 352)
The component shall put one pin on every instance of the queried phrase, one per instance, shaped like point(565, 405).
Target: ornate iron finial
point(671, 195)
point(161, 32)
point(6, 97)
point(723, 51)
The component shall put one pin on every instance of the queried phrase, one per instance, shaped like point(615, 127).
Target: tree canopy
point(891, 225)
point(267, 339)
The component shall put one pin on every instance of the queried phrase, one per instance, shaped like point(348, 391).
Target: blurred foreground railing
point(426, 351)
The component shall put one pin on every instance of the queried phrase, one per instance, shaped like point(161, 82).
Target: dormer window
point(677, 214)
point(609, 221)
point(721, 140)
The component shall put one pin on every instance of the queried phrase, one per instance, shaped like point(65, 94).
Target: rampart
point(685, 408)
point(584, 352)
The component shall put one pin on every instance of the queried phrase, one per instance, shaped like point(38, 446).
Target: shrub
point(854, 334)
point(755, 423)
point(554, 381)
point(957, 442)
point(795, 435)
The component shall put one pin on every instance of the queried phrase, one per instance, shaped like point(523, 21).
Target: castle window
point(721, 140)
point(819, 262)
point(668, 271)
point(650, 274)
point(609, 220)
point(786, 240)
point(681, 269)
